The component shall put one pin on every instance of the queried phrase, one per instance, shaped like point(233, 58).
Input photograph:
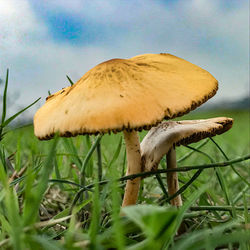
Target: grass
point(66, 193)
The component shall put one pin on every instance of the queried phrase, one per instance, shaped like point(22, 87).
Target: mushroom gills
point(162, 139)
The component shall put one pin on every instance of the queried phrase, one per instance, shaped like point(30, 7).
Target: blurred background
point(42, 41)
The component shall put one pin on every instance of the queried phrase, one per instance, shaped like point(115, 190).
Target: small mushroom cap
point(119, 94)
point(160, 139)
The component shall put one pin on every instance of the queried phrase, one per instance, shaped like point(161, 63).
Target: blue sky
point(42, 41)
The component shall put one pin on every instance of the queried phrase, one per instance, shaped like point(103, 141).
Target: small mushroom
point(126, 95)
point(162, 140)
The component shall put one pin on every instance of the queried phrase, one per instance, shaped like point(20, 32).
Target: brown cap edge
point(167, 116)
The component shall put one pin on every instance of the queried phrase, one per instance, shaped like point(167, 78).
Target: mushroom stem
point(134, 166)
point(172, 178)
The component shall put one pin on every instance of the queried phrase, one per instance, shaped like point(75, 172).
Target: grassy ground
point(42, 205)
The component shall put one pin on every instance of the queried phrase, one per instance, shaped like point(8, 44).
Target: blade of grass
point(34, 195)
point(191, 152)
point(71, 82)
point(116, 203)
point(201, 152)
point(58, 176)
point(11, 206)
point(86, 160)
point(124, 162)
point(95, 218)
point(99, 160)
point(70, 233)
point(6, 122)
point(180, 169)
point(223, 185)
point(159, 179)
point(36, 168)
point(214, 238)
point(187, 168)
point(70, 147)
point(18, 154)
point(160, 171)
point(240, 194)
point(233, 168)
point(66, 182)
point(5, 97)
point(89, 167)
point(42, 242)
point(4, 168)
point(116, 154)
point(5, 225)
point(217, 208)
point(185, 186)
point(246, 212)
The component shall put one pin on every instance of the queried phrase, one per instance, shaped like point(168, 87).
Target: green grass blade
point(58, 175)
point(186, 156)
point(70, 148)
point(11, 206)
point(116, 200)
point(240, 194)
point(42, 242)
point(5, 225)
point(18, 154)
point(217, 208)
point(90, 164)
point(57, 172)
point(222, 181)
point(159, 179)
point(117, 152)
point(124, 163)
point(71, 82)
point(3, 168)
point(95, 219)
point(14, 218)
point(223, 185)
point(5, 98)
point(213, 238)
point(246, 210)
point(225, 156)
point(87, 158)
point(99, 160)
point(35, 194)
point(5, 123)
point(116, 218)
point(35, 169)
point(201, 152)
point(185, 186)
point(66, 182)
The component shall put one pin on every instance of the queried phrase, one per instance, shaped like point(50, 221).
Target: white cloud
point(37, 63)
point(18, 26)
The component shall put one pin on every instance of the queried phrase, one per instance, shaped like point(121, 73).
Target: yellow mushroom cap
point(118, 94)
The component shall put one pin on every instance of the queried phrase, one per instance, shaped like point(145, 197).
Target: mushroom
point(162, 140)
point(126, 95)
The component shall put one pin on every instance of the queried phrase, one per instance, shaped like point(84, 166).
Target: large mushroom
point(126, 95)
point(162, 139)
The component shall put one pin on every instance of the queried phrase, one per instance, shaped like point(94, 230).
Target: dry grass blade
point(38, 225)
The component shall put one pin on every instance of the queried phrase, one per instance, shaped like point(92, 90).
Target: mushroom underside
point(161, 140)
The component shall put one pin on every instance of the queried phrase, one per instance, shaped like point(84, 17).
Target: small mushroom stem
point(172, 178)
point(134, 166)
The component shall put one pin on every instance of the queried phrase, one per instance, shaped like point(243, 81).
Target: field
point(43, 206)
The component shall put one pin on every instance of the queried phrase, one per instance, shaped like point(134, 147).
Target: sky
point(42, 41)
